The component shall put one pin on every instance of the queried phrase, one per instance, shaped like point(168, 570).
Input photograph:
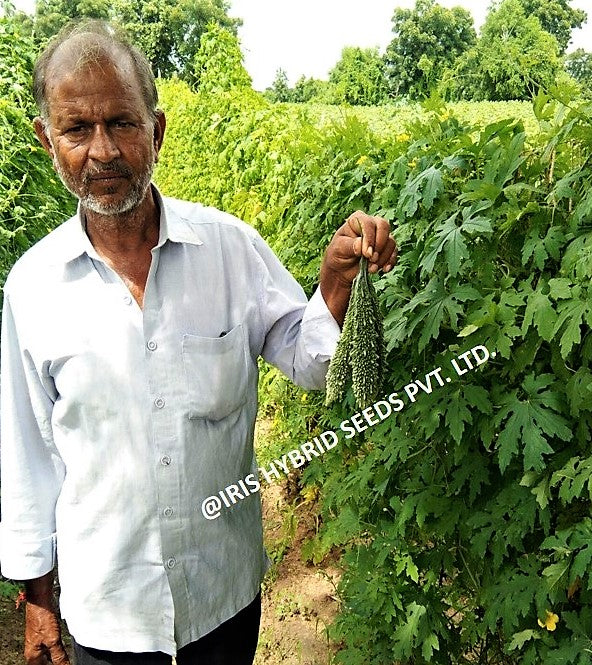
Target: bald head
point(85, 45)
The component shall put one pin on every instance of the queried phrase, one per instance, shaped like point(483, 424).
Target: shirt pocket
point(216, 374)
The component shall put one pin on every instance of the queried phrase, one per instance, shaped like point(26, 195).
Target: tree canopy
point(579, 65)
point(280, 88)
point(556, 17)
point(358, 77)
point(513, 58)
point(427, 39)
point(169, 31)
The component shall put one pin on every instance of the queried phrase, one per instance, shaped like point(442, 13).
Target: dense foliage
point(32, 200)
point(464, 518)
point(358, 78)
point(436, 49)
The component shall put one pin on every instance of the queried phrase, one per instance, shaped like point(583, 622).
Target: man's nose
point(102, 147)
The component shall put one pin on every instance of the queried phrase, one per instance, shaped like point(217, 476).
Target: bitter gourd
point(361, 350)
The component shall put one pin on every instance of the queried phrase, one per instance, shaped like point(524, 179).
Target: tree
point(556, 17)
point(218, 64)
point(51, 15)
point(358, 77)
point(513, 59)
point(169, 31)
point(280, 89)
point(579, 65)
point(308, 89)
point(428, 39)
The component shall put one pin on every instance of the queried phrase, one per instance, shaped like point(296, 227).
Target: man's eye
point(123, 125)
point(77, 130)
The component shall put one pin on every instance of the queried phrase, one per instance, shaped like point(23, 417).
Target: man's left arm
point(300, 338)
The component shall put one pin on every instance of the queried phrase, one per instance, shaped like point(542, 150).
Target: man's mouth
point(107, 176)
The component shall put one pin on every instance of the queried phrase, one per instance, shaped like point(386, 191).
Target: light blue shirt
point(117, 421)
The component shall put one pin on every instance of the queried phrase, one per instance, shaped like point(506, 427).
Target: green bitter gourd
point(360, 353)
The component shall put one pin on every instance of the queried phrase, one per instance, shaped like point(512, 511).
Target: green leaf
point(425, 187)
point(448, 238)
point(407, 632)
point(430, 644)
point(581, 565)
point(570, 315)
point(529, 422)
point(556, 575)
point(539, 311)
point(559, 288)
point(520, 639)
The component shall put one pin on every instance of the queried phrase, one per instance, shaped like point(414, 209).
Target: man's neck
point(127, 233)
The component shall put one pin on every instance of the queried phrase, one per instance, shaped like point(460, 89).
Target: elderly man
point(129, 382)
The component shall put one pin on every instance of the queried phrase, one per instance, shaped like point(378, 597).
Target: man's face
point(102, 139)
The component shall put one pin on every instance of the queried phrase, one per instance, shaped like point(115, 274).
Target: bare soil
point(299, 600)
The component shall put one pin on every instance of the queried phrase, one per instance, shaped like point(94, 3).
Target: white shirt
point(116, 422)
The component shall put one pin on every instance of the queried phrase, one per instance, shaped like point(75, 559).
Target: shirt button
point(127, 300)
point(168, 511)
point(159, 403)
point(171, 563)
point(165, 460)
point(151, 345)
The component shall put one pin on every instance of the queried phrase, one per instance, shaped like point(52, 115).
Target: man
point(129, 375)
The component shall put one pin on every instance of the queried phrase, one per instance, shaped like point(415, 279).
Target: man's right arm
point(43, 638)
point(32, 473)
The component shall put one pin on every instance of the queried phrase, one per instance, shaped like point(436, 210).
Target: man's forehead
point(75, 56)
point(68, 77)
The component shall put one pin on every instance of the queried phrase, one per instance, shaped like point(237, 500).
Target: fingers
point(387, 258)
point(371, 238)
point(35, 655)
point(42, 655)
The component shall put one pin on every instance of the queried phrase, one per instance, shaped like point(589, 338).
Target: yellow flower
point(550, 622)
point(362, 160)
point(310, 494)
point(403, 137)
point(304, 397)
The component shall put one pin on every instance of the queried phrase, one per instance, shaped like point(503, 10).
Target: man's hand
point(43, 638)
point(360, 235)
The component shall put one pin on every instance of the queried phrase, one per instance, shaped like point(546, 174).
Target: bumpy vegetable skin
point(360, 353)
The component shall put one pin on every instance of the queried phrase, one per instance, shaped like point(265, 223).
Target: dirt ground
point(298, 600)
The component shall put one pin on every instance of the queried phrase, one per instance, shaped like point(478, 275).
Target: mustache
point(117, 167)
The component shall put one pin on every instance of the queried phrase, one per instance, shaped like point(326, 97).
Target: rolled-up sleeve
point(301, 336)
point(31, 470)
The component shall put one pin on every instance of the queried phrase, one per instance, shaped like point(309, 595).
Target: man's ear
point(40, 130)
point(159, 129)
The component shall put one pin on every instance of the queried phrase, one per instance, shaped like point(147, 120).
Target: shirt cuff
point(320, 331)
point(23, 558)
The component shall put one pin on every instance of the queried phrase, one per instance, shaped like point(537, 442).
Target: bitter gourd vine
point(360, 352)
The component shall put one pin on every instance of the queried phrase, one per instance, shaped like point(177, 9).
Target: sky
point(305, 37)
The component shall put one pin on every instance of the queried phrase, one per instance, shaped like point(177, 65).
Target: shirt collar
point(173, 227)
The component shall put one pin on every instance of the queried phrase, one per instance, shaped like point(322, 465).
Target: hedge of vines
point(32, 199)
